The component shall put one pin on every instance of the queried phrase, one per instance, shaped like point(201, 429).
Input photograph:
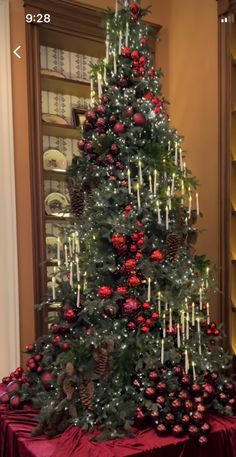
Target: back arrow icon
point(15, 52)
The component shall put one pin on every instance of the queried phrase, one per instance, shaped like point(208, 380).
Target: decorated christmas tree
point(134, 344)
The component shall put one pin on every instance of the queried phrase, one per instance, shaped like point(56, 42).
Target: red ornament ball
point(161, 429)
point(157, 256)
point(91, 116)
point(130, 306)
point(139, 119)
point(119, 128)
point(131, 326)
point(150, 392)
point(144, 41)
point(202, 440)
point(205, 427)
point(134, 281)
point(155, 316)
point(118, 240)
point(15, 401)
point(121, 290)
point(160, 400)
point(4, 398)
point(177, 430)
point(135, 55)
point(126, 52)
point(13, 387)
point(153, 376)
point(114, 149)
point(128, 111)
point(70, 315)
point(146, 306)
point(144, 329)
point(193, 430)
point(134, 8)
point(129, 265)
point(100, 109)
point(161, 386)
point(105, 292)
point(47, 378)
point(170, 418)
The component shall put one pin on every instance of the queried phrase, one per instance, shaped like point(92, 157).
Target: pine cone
point(102, 359)
point(173, 243)
point(77, 200)
point(68, 389)
point(86, 393)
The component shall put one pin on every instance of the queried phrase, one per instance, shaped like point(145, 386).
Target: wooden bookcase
point(75, 28)
point(227, 87)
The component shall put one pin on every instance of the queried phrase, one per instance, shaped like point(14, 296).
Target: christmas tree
point(134, 343)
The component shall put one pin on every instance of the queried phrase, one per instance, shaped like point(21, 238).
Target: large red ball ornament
point(197, 417)
point(121, 290)
point(4, 398)
point(126, 52)
point(202, 440)
point(81, 144)
point(131, 326)
point(129, 265)
point(160, 400)
point(118, 240)
point(109, 159)
point(176, 404)
point(185, 419)
point(193, 430)
point(157, 256)
point(91, 116)
point(161, 429)
point(140, 320)
point(177, 430)
point(153, 376)
point(161, 386)
point(100, 109)
point(170, 418)
point(13, 387)
point(100, 122)
point(47, 378)
point(130, 306)
point(114, 149)
point(144, 329)
point(119, 128)
point(134, 281)
point(70, 315)
point(15, 401)
point(139, 119)
point(196, 389)
point(105, 292)
point(134, 8)
point(150, 392)
point(135, 55)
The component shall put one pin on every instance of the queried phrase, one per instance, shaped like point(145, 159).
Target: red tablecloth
point(16, 441)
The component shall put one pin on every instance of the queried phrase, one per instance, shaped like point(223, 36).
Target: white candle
point(169, 198)
point(193, 313)
point(182, 188)
point(164, 325)
point(71, 274)
point(129, 181)
point(184, 169)
point(53, 288)
point(114, 62)
point(149, 290)
point(116, 10)
point(107, 42)
point(105, 72)
point(150, 183)
point(127, 35)
point(158, 212)
point(182, 323)
point(208, 313)
point(138, 197)
point(186, 361)
point(166, 305)
point(78, 296)
point(178, 336)
point(77, 243)
point(167, 218)
point(77, 269)
point(198, 325)
point(197, 204)
point(200, 298)
point(120, 41)
point(140, 173)
point(58, 250)
point(189, 205)
point(169, 146)
point(170, 320)
point(162, 352)
point(176, 153)
point(180, 159)
point(159, 302)
point(91, 85)
point(70, 248)
point(187, 326)
point(207, 275)
point(173, 184)
point(66, 255)
point(73, 242)
point(194, 371)
point(99, 80)
point(155, 183)
point(85, 281)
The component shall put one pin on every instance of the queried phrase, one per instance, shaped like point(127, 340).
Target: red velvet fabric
point(16, 441)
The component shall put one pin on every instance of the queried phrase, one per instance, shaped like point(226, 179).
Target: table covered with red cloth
point(16, 441)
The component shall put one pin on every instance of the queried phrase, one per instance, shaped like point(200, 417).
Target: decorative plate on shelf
point(56, 74)
point(54, 160)
point(56, 204)
point(54, 119)
point(51, 246)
